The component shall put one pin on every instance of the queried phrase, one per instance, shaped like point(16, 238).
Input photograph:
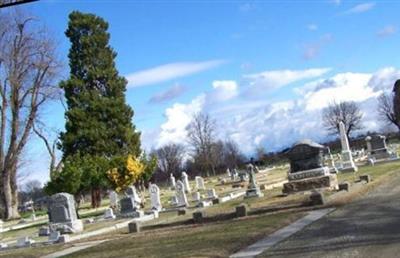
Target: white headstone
point(199, 183)
point(196, 196)
point(131, 192)
point(174, 200)
point(1, 226)
point(185, 180)
point(155, 197)
point(113, 199)
point(180, 194)
point(3, 245)
point(172, 181)
point(347, 158)
point(228, 172)
point(211, 194)
point(109, 214)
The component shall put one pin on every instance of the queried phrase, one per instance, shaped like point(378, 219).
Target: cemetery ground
point(220, 234)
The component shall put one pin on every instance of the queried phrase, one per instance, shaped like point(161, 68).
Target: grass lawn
point(208, 240)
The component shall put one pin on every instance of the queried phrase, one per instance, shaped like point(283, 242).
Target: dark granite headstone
point(305, 155)
point(127, 205)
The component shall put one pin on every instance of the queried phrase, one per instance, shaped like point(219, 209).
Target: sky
point(263, 70)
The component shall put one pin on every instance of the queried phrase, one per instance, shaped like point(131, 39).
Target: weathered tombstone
point(376, 147)
point(196, 196)
point(330, 161)
point(185, 181)
point(134, 227)
point(228, 172)
point(199, 183)
point(44, 231)
point(307, 170)
point(211, 194)
point(54, 236)
point(131, 192)
point(243, 176)
point(172, 181)
point(113, 199)
point(33, 217)
point(1, 226)
point(3, 246)
point(181, 195)
point(24, 242)
point(62, 214)
point(252, 190)
point(155, 198)
point(174, 200)
point(347, 159)
point(109, 214)
point(129, 208)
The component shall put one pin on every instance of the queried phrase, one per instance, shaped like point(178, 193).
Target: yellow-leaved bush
point(123, 177)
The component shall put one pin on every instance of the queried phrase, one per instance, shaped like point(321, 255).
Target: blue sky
point(263, 69)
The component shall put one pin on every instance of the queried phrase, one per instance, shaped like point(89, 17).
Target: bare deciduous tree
point(51, 147)
point(347, 112)
point(170, 158)
point(28, 68)
point(389, 106)
point(201, 133)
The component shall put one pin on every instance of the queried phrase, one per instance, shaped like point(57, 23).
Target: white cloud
point(178, 118)
point(360, 8)
point(168, 72)
point(386, 31)
point(276, 125)
point(312, 27)
point(223, 91)
point(270, 80)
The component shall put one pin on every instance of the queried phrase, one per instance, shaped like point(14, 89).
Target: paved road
point(368, 227)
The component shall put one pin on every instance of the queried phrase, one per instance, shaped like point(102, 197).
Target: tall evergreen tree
point(98, 120)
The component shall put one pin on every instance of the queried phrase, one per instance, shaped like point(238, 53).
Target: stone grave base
point(68, 227)
point(253, 192)
point(133, 214)
point(329, 181)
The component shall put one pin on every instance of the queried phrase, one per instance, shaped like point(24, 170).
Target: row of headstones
point(180, 199)
point(185, 180)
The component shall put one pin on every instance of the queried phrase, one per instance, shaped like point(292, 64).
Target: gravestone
point(234, 174)
point(1, 226)
point(347, 159)
point(330, 161)
point(155, 198)
point(307, 170)
point(174, 200)
point(54, 236)
point(113, 199)
point(109, 214)
point(228, 172)
point(172, 181)
point(24, 241)
point(185, 181)
point(199, 183)
point(129, 208)
point(44, 231)
point(376, 147)
point(181, 195)
point(252, 189)
point(211, 194)
point(131, 192)
point(62, 214)
point(196, 196)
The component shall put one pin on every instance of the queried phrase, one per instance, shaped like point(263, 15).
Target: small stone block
point(181, 212)
point(44, 231)
point(344, 186)
point(198, 217)
point(63, 239)
point(215, 201)
point(262, 187)
point(134, 227)
point(3, 246)
point(241, 210)
point(317, 198)
point(366, 178)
